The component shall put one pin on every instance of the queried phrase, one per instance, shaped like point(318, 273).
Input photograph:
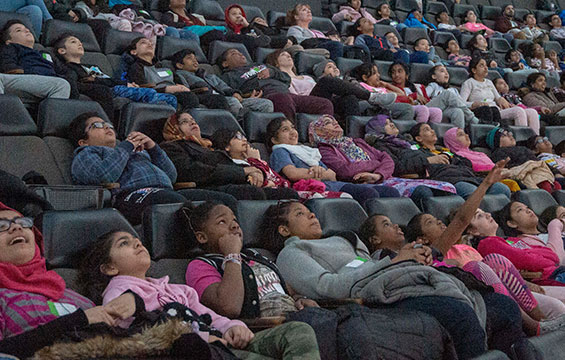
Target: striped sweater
point(23, 311)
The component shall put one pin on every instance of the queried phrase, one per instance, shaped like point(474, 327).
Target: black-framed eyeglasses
point(100, 125)
point(25, 222)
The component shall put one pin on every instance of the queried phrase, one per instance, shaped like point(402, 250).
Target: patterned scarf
point(171, 132)
point(326, 130)
point(376, 127)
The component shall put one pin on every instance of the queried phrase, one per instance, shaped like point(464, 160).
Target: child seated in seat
point(89, 80)
point(143, 170)
point(503, 145)
point(543, 149)
point(142, 68)
point(118, 263)
point(235, 145)
point(421, 47)
point(515, 60)
point(210, 87)
point(394, 45)
point(454, 58)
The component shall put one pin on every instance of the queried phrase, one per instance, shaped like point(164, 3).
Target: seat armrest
point(184, 185)
point(111, 186)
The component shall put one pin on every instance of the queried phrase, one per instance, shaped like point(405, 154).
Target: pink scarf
point(32, 276)
point(480, 161)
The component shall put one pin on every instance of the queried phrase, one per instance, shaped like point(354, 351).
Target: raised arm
point(466, 212)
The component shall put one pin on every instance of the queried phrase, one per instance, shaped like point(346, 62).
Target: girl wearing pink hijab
point(458, 142)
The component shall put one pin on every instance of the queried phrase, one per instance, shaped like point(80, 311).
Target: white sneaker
point(382, 99)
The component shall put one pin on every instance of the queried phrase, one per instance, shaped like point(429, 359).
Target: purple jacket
point(380, 162)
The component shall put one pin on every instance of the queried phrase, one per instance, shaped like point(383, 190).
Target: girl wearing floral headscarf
point(354, 160)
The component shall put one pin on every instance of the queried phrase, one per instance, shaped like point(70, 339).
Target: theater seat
point(68, 233)
point(536, 199)
point(337, 214)
point(356, 126)
point(146, 118)
point(164, 234)
point(250, 214)
point(52, 29)
point(441, 206)
point(21, 154)
point(441, 129)
point(457, 75)
point(522, 133)
point(517, 79)
point(322, 24)
point(55, 115)
point(209, 9)
point(14, 117)
point(436, 7)
point(302, 123)
point(442, 37)
point(175, 269)
point(217, 48)
point(7, 16)
point(419, 73)
point(493, 203)
point(211, 120)
point(255, 125)
point(167, 46)
point(410, 35)
point(100, 60)
point(381, 30)
point(252, 12)
point(559, 196)
point(406, 5)
point(261, 54)
point(117, 41)
point(304, 61)
point(545, 347)
point(345, 65)
point(555, 134)
point(478, 133)
point(552, 45)
point(404, 125)
point(399, 210)
point(383, 69)
point(499, 45)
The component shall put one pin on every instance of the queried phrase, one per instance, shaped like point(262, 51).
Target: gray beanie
point(319, 68)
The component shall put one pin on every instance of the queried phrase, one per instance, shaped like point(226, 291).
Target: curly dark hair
point(268, 234)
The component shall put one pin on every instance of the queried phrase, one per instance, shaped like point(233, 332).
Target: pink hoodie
point(158, 292)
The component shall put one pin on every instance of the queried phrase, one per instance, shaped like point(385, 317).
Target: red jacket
point(523, 256)
point(380, 163)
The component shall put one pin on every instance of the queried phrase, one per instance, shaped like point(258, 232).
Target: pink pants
point(522, 117)
point(427, 114)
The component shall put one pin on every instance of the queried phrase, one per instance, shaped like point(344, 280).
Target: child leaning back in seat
point(118, 262)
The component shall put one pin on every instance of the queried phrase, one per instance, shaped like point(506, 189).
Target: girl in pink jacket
point(351, 12)
point(118, 262)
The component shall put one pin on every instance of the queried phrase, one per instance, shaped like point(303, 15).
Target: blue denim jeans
point(34, 9)
point(465, 189)
point(182, 34)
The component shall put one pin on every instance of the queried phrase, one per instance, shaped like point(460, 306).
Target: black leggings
point(344, 95)
point(132, 204)
point(488, 114)
point(186, 100)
